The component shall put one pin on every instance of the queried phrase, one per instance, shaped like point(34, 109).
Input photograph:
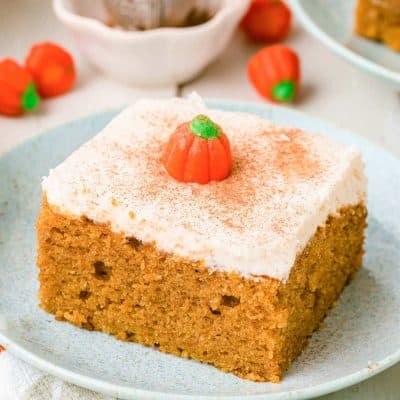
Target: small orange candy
point(275, 73)
point(267, 20)
point(52, 68)
point(17, 89)
point(198, 151)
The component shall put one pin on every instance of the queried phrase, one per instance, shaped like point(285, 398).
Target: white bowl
point(163, 56)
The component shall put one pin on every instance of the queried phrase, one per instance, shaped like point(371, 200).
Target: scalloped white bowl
point(163, 56)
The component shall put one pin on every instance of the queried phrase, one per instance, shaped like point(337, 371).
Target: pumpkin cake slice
point(211, 235)
point(379, 20)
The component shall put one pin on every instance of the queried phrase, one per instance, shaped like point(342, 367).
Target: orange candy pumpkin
point(275, 72)
point(17, 89)
point(198, 151)
point(52, 68)
point(267, 20)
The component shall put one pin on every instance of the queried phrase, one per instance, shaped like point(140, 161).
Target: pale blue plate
point(332, 21)
point(362, 333)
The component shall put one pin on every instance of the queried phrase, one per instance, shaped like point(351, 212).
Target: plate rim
point(349, 55)
point(129, 392)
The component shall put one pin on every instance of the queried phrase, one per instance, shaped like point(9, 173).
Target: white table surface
point(332, 89)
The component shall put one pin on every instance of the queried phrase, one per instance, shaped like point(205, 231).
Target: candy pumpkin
point(267, 20)
point(17, 89)
point(275, 72)
point(52, 67)
point(198, 151)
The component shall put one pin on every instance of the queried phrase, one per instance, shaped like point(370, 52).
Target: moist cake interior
point(96, 279)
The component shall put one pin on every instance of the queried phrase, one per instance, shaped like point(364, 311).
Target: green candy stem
point(284, 91)
point(205, 128)
point(30, 98)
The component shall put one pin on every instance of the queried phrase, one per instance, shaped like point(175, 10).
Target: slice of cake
point(236, 271)
point(379, 20)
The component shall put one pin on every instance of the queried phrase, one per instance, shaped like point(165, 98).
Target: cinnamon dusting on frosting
point(293, 158)
point(284, 184)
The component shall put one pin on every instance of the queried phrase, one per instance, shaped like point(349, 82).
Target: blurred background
point(331, 88)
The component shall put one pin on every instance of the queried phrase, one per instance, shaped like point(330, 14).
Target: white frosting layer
point(284, 185)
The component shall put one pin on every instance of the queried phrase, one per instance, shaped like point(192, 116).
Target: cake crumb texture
point(100, 280)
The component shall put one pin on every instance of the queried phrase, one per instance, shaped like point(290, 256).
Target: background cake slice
point(236, 273)
point(379, 20)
